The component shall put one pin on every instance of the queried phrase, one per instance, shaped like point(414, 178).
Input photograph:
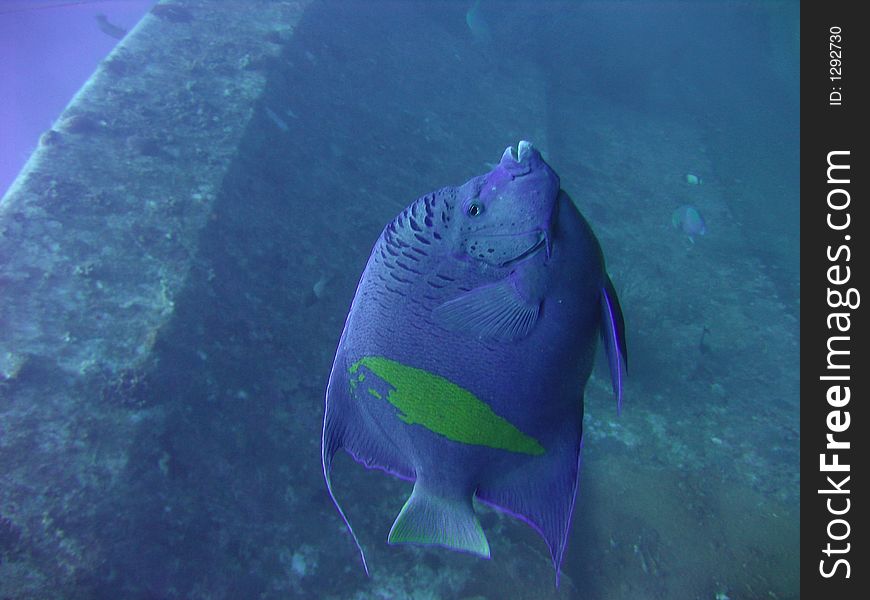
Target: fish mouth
point(542, 242)
point(517, 161)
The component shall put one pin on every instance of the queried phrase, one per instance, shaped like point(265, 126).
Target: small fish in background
point(318, 290)
point(110, 29)
point(693, 179)
point(477, 24)
point(703, 346)
point(278, 121)
point(689, 221)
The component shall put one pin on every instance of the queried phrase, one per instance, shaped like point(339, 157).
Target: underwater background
point(178, 257)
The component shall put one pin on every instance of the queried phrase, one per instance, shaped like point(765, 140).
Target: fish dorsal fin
point(613, 334)
point(330, 444)
point(344, 427)
point(498, 311)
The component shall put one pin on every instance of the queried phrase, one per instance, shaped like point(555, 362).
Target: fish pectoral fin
point(496, 311)
point(613, 334)
point(430, 519)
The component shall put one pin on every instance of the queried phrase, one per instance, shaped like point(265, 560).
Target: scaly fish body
point(466, 350)
point(687, 219)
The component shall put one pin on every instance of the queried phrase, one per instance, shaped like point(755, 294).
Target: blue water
point(692, 493)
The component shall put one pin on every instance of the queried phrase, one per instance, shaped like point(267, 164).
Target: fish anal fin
point(541, 493)
point(431, 519)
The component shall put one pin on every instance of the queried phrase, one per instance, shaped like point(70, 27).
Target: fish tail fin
point(430, 519)
point(330, 444)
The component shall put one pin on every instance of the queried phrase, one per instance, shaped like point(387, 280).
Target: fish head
point(505, 216)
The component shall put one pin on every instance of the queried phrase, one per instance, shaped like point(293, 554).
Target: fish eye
point(474, 209)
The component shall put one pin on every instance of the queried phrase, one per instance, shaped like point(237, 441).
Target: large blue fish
point(466, 352)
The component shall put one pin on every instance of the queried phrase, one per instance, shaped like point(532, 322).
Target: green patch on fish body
point(443, 407)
